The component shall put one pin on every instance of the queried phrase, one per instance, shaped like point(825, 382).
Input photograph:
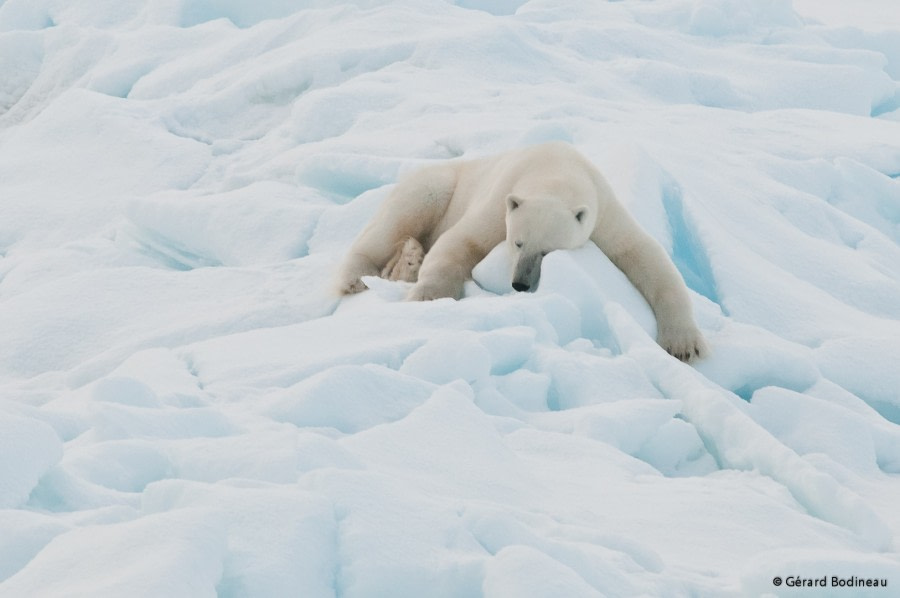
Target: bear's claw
point(685, 344)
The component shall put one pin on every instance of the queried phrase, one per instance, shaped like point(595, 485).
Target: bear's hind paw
point(406, 261)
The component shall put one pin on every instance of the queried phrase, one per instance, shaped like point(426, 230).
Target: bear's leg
point(449, 263)
point(648, 266)
point(412, 210)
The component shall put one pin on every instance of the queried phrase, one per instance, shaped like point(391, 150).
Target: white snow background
point(186, 410)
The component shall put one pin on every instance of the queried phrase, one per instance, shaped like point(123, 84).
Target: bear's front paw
point(351, 287)
point(349, 281)
point(685, 343)
point(430, 292)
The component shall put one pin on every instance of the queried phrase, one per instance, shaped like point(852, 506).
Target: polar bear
point(539, 198)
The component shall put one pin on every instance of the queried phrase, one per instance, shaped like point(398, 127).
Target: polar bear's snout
point(527, 272)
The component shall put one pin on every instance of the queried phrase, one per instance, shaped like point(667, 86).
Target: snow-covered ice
point(187, 410)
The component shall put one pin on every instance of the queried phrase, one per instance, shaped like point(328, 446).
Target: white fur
point(539, 198)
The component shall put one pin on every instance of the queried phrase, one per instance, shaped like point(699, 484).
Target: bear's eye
point(519, 244)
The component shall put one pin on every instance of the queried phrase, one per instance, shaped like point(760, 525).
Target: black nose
point(520, 286)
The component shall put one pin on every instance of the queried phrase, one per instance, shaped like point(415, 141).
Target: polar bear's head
point(537, 226)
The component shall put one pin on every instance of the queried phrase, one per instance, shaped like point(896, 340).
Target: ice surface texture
point(186, 410)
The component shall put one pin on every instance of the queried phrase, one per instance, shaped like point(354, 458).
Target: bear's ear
point(581, 213)
point(512, 202)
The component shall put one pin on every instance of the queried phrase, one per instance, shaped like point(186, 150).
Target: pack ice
point(186, 409)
